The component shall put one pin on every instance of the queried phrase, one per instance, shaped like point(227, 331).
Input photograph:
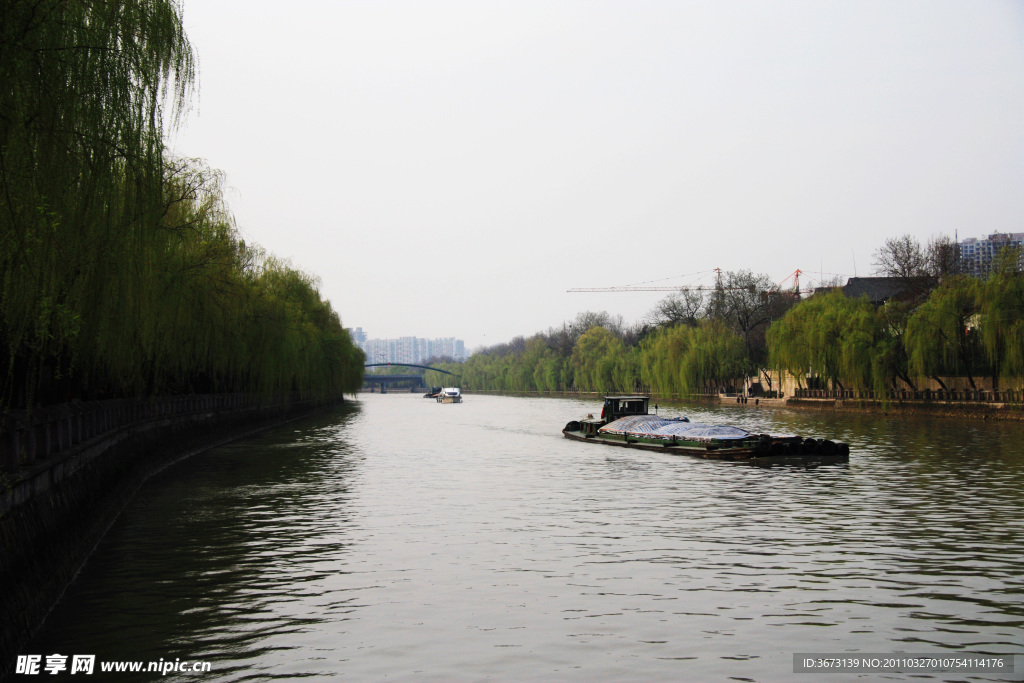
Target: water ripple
point(404, 539)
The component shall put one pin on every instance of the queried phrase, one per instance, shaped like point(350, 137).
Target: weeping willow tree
point(689, 360)
point(891, 361)
point(541, 361)
point(595, 360)
point(941, 336)
point(83, 90)
point(840, 339)
point(533, 366)
point(455, 375)
point(121, 270)
point(1001, 313)
point(299, 340)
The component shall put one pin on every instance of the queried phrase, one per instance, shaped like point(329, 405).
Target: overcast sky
point(452, 168)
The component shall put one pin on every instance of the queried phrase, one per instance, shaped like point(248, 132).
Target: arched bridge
point(405, 365)
point(385, 380)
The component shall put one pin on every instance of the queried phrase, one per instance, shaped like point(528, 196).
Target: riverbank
point(55, 510)
point(972, 410)
point(958, 409)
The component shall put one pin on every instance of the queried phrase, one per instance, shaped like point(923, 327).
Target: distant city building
point(977, 255)
point(408, 349)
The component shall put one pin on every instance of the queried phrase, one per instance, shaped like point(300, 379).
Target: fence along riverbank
point(980, 396)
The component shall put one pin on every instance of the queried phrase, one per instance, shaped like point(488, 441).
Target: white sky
point(451, 168)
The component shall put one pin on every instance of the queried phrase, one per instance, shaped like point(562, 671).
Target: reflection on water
point(399, 538)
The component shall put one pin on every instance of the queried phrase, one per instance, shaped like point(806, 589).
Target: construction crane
point(718, 287)
point(646, 288)
point(698, 288)
point(796, 282)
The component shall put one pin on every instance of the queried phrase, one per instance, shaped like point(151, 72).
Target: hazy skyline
point(450, 169)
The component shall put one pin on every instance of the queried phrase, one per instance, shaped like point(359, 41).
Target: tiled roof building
point(878, 289)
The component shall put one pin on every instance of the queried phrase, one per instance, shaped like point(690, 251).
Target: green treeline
point(121, 269)
point(695, 342)
point(965, 327)
point(595, 353)
point(951, 325)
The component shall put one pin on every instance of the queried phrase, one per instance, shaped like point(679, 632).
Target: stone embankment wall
point(980, 410)
point(983, 396)
point(983, 405)
point(67, 472)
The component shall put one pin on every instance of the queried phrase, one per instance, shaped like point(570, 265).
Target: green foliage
point(941, 337)
point(962, 328)
point(440, 379)
point(672, 360)
point(83, 86)
point(702, 343)
point(1001, 320)
point(683, 360)
point(835, 337)
point(891, 361)
point(843, 342)
point(594, 360)
point(121, 271)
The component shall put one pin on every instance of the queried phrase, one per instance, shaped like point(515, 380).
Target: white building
point(413, 350)
point(977, 255)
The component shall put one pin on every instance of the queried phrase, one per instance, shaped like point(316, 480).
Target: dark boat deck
point(749, 455)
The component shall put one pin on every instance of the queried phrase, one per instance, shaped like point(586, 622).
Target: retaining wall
point(951, 408)
point(74, 476)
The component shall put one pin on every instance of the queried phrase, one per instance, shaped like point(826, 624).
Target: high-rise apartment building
point(977, 255)
point(408, 349)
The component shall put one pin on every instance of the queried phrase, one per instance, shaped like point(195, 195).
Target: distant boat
point(449, 395)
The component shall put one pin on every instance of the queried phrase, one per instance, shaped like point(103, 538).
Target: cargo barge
point(625, 421)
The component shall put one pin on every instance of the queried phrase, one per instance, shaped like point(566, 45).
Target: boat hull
point(757, 454)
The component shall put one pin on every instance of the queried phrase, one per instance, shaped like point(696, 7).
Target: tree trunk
point(906, 379)
point(995, 372)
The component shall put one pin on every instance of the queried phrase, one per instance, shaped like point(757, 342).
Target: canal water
point(401, 539)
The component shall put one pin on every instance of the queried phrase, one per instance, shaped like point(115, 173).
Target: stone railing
point(26, 436)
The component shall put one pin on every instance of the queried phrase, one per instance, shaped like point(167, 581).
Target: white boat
point(449, 395)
